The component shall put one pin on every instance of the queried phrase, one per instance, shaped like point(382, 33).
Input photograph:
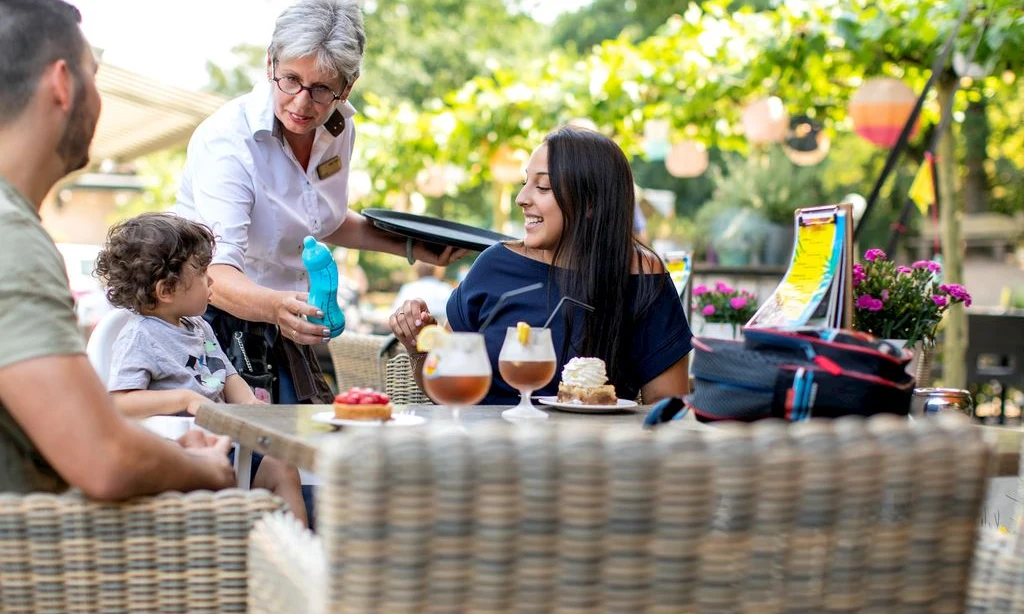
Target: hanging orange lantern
point(507, 164)
point(687, 159)
point(880, 108)
point(765, 121)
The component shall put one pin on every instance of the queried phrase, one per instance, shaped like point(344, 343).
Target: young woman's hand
point(409, 320)
point(290, 311)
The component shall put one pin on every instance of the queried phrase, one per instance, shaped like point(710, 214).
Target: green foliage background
point(448, 81)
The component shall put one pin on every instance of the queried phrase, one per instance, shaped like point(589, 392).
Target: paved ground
point(985, 279)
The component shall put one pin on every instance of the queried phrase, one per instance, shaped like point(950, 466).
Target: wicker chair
point(877, 516)
point(359, 359)
point(170, 553)
point(400, 384)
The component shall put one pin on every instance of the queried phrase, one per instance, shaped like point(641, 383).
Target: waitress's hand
point(408, 321)
point(288, 311)
point(446, 257)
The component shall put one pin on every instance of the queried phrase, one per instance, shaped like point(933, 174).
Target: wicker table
point(287, 432)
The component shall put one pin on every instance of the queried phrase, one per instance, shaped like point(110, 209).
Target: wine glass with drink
point(527, 363)
point(457, 371)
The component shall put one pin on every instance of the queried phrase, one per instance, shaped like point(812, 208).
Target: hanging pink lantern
point(432, 181)
point(583, 122)
point(687, 159)
point(765, 121)
point(360, 185)
point(880, 108)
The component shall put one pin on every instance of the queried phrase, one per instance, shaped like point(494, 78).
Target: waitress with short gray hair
point(271, 167)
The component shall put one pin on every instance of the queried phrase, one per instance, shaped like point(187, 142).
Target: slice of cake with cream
point(584, 381)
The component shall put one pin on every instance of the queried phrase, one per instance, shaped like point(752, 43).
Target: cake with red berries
point(362, 404)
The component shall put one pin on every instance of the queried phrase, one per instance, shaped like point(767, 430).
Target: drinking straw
point(571, 300)
point(504, 297)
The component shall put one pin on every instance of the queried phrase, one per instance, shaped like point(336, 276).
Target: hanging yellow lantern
point(687, 159)
point(880, 108)
point(765, 121)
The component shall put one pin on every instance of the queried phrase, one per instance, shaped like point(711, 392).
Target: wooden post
point(954, 352)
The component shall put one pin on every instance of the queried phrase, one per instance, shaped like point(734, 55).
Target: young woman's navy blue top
point(659, 340)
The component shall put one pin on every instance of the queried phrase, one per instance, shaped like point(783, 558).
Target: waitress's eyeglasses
point(320, 94)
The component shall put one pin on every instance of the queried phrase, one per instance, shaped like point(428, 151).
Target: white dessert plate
point(327, 417)
point(587, 409)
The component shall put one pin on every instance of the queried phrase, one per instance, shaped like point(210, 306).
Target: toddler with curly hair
point(166, 360)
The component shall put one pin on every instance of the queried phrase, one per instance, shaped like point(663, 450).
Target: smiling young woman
point(577, 201)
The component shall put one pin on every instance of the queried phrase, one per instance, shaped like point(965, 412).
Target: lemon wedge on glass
point(428, 337)
point(523, 333)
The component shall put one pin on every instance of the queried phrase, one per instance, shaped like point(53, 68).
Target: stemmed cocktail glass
point(457, 371)
point(527, 363)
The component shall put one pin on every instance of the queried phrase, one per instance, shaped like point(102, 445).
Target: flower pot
point(721, 330)
point(921, 365)
point(734, 257)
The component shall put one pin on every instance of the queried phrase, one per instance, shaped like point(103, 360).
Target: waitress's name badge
point(329, 167)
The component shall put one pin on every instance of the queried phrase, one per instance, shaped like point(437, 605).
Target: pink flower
point(939, 300)
point(885, 295)
point(701, 289)
point(904, 269)
point(958, 292)
point(738, 302)
point(931, 265)
point(866, 301)
point(709, 310)
point(723, 288)
point(858, 274)
point(874, 254)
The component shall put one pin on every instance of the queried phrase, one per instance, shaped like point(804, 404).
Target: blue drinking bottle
point(323, 284)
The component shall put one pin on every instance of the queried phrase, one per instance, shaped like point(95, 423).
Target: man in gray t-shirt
point(151, 354)
point(58, 426)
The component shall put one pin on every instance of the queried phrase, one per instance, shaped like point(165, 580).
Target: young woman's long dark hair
point(593, 186)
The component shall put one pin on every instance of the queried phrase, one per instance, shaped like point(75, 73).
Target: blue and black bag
point(797, 374)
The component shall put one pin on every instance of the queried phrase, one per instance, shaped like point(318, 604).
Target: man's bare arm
point(65, 410)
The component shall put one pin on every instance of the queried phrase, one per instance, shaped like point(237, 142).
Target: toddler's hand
point(193, 400)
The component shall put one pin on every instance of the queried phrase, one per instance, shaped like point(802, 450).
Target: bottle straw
point(571, 300)
point(504, 297)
